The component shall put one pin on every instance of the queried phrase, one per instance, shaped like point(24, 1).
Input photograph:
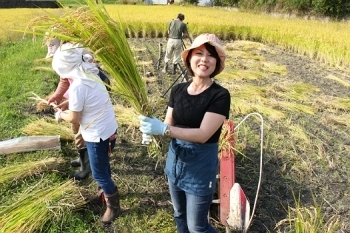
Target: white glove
point(58, 115)
point(146, 139)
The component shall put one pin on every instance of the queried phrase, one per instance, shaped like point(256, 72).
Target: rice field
point(306, 126)
point(322, 40)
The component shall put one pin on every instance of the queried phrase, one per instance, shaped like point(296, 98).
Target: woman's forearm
point(71, 116)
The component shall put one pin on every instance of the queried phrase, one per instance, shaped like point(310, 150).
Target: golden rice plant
point(324, 41)
point(227, 145)
point(226, 140)
point(92, 27)
point(307, 219)
point(126, 116)
point(37, 207)
point(28, 168)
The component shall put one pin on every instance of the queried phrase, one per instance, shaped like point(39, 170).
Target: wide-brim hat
point(67, 58)
point(68, 62)
point(210, 39)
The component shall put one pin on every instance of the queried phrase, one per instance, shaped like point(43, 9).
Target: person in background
point(196, 112)
point(176, 30)
point(90, 107)
point(56, 98)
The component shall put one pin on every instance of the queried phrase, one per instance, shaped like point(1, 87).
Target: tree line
point(335, 9)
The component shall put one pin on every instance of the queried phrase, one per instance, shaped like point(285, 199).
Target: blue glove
point(152, 126)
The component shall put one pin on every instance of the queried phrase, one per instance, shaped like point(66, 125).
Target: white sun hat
point(52, 46)
point(68, 62)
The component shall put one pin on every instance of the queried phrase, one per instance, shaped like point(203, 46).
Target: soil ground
point(329, 185)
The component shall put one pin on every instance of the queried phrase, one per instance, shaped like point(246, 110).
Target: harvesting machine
point(234, 206)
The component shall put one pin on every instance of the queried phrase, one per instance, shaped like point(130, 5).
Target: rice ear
point(35, 209)
point(92, 26)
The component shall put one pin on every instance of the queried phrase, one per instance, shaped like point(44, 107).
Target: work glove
point(58, 115)
point(152, 126)
point(146, 139)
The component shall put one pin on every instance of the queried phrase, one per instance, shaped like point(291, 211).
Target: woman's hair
point(211, 49)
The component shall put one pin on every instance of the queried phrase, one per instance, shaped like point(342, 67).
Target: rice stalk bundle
point(37, 207)
point(43, 107)
point(28, 168)
point(226, 140)
point(46, 126)
point(41, 104)
point(126, 116)
point(93, 27)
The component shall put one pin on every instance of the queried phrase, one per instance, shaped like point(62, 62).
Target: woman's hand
point(152, 126)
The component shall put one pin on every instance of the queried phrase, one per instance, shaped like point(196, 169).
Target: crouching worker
point(56, 98)
point(90, 107)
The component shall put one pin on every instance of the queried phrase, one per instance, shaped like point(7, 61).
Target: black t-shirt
point(189, 110)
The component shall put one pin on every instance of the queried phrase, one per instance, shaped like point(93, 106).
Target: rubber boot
point(85, 166)
point(97, 199)
point(165, 69)
point(174, 69)
point(113, 208)
point(75, 162)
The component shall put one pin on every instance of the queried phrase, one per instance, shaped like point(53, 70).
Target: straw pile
point(37, 207)
point(47, 126)
point(26, 169)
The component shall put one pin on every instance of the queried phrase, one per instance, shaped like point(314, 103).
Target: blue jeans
point(190, 211)
point(99, 163)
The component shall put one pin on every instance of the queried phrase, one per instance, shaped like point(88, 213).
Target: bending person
point(56, 98)
point(90, 107)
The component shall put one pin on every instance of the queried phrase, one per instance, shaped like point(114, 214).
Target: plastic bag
point(30, 143)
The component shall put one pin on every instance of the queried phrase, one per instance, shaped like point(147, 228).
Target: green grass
point(17, 83)
point(311, 219)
